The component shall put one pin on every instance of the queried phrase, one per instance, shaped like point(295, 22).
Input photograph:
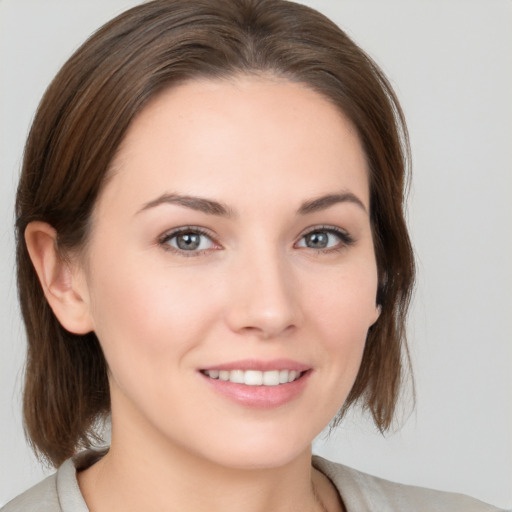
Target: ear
point(63, 285)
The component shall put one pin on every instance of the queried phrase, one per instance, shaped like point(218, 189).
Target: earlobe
point(61, 285)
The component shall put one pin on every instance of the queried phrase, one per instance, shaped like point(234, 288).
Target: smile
point(255, 377)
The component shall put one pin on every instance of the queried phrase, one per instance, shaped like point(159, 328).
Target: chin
point(258, 460)
point(262, 450)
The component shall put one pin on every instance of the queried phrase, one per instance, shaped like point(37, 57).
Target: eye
point(325, 238)
point(190, 239)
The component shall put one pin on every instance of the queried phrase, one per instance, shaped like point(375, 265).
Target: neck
point(136, 481)
point(160, 476)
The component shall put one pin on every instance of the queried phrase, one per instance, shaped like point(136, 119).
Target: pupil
point(317, 240)
point(188, 241)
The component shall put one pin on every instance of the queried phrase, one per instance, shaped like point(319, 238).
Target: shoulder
point(40, 498)
point(362, 492)
point(57, 493)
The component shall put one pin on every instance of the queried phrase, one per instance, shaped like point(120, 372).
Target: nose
point(264, 296)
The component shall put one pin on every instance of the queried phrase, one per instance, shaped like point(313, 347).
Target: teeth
point(254, 377)
point(271, 378)
point(236, 376)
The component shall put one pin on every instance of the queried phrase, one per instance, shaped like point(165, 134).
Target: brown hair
point(81, 122)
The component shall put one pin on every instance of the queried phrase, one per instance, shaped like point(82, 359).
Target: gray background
point(450, 62)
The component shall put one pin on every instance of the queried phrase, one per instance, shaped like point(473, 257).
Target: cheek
point(344, 301)
point(344, 308)
point(142, 312)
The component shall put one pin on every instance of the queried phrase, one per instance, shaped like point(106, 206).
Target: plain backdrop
point(451, 64)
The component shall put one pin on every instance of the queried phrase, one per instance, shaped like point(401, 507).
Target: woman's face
point(233, 242)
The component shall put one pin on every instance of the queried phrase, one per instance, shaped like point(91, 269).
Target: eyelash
point(346, 240)
point(195, 230)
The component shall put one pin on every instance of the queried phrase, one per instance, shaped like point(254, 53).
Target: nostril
point(268, 333)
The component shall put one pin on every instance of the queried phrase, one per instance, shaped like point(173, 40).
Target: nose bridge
point(264, 299)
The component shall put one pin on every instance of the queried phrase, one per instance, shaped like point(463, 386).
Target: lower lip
point(261, 397)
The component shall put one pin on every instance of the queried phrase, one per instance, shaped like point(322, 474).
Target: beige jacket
point(360, 493)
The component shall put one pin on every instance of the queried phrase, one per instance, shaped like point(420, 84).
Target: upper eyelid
point(164, 238)
point(166, 235)
point(345, 237)
point(209, 232)
point(325, 227)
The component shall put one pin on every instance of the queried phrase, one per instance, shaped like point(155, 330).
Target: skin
point(253, 290)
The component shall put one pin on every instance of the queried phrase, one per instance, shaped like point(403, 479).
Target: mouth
point(269, 378)
point(258, 384)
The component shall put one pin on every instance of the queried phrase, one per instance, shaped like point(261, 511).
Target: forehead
point(245, 135)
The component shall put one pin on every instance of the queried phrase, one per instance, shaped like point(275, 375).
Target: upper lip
point(263, 366)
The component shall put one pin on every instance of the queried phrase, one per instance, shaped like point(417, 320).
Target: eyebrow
point(324, 202)
point(211, 207)
point(200, 204)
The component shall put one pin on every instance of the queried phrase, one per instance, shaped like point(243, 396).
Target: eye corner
point(197, 241)
point(323, 233)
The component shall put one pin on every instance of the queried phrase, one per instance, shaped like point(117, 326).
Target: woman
point(170, 275)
